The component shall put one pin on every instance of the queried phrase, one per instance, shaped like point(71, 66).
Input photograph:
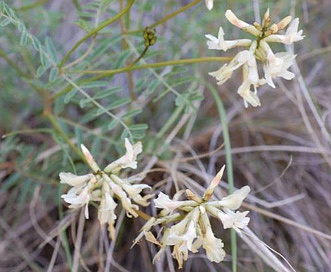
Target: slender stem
point(169, 16)
point(27, 131)
point(63, 235)
point(140, 56)
point(13, 64)
point(31, 6)
point(76, 4)
point(229, 167)
point(166, 18)
point(82, 57)
point(103, 73)
point(150, 65)
point(58, 129)
point(96, 30)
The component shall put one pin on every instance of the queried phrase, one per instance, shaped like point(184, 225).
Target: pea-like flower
point(193, 229)
point(209, 4)
point(102, 187)
point(274, 64)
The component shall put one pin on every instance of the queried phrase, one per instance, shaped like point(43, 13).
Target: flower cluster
point(274, 64)
point(103, 186)
point(194, 229)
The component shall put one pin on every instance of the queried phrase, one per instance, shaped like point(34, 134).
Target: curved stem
point(169, 16)
point(58, 129)
point(151, 65)
point(103, 73)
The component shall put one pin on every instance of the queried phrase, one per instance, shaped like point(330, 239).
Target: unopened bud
point(284, 22)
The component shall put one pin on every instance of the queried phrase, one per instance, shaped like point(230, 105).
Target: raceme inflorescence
point(274, 64)
point(104, 186)
point(193, 229)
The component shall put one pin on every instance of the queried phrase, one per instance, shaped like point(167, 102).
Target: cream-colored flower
point(223, 74)
point(220, 44)
point(133, 190)
point(89, 158)
point(213, 184)
point(212, 245)
point(250, 97)
point(123, 197)
point(236, 220)
point(291, 35)
point(184, 232)
point(106, 210)
point(78, 198)
point(192, 229)
point(168, 205)
point(234, 200)
point(181, 236)
point(209, 4)
point(74, 180)
point(274, 65)
point(129, 159)
point(233, 19)
point(101, 187)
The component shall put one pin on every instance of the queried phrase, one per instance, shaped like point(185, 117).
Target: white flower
point(74, 180)
point(129, 159)
point(78, 198)
point(234, 201)
point(106, 210)
point(168, 205)
point(182, 234)
point(89, 158)
point(213, 184)
point(209, 4)
point(223, 74)
point(101, 189)
point(133, 190)
point(220, 44)
point(274, 65)
point(237, 220)
point(250, 97)
point(292, 34)
point(125, 200)
point(212, 245)
point(232, 18)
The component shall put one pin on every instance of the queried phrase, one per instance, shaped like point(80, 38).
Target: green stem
point(103, 73)
point(151, 65)
point(140, 56)
point(63, 234)
point(95, 31)
point(28, 131)
point(31, 6)
point(76, 4)
point(166, 18)
point(169, 16)
point(58, 129)
point(229, 167)
point(13, 64)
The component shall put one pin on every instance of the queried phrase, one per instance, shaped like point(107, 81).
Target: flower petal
point(234, 200)
point(74, 180)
